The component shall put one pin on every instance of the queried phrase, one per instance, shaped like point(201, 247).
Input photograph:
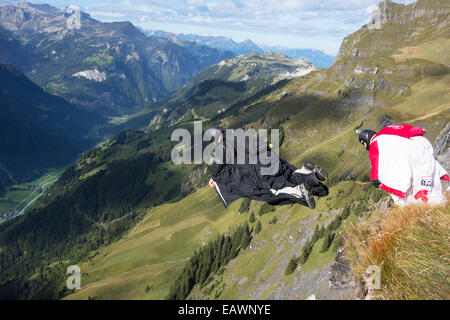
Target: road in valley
point(16, 213)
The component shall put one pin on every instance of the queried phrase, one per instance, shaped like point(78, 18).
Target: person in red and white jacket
point(403, 164)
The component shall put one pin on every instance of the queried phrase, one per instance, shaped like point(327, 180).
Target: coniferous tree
point(245, 206)
point(321, 232)
point(209, 260)
point(327, 241)
point(315, 236)
point(302, 259)
point(292, 265)
point(335, 224)
point(345, 213)
point(246, 237)
point(307, 248)
point(258, 227)
point(225, 250)
point(266, 208)
point(252, 218)
point(338, 242)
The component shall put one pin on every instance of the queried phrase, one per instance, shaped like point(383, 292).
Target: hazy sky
point(319, 24)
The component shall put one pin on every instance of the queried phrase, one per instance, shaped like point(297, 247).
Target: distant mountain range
point(223, 43)
point(317, 57)
point(111, 67)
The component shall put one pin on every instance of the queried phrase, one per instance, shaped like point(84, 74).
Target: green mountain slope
point(157, 248)
point(92, 204)
point(249, 73)
point(38, 131)
point(12, 51)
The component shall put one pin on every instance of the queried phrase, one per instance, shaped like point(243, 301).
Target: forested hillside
point(38, 131)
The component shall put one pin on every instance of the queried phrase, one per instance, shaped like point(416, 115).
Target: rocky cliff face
point(380, 61)
point(442, 147)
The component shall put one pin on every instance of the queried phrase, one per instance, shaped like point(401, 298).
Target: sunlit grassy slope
point(153, 252)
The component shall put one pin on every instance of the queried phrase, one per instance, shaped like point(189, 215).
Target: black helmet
point(365, 136)
point(215, 133)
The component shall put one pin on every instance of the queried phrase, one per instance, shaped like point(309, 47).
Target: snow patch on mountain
point(94, 75)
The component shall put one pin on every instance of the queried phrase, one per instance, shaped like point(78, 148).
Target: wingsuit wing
point(234, 181)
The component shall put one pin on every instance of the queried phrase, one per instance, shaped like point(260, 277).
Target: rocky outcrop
point(341, 275)
point(94, 75)
point(304, 67)
point(442, 147)
point(371, 41)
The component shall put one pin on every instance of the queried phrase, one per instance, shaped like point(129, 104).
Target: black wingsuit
point(234, 181)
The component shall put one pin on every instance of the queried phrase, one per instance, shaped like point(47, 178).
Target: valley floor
point(21, 197)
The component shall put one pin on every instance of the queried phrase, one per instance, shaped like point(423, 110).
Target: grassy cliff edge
point(410, 245)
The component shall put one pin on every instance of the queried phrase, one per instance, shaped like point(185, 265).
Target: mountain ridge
point(317, 57)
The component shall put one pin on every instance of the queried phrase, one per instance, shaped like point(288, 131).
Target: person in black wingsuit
point(288, 185)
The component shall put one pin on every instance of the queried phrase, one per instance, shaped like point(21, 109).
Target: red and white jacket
point(403, 162)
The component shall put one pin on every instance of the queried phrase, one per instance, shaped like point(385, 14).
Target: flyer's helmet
point(365, 136)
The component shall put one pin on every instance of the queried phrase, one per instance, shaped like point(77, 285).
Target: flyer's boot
point(321, 173)
point(305, 191)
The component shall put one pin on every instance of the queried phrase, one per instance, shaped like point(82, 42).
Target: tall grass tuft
point(411, 245)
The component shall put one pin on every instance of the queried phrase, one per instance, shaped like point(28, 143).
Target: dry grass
point(411, 245)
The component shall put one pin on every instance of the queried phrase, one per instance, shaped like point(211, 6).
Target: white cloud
point(326, 19)
point(107, 14)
